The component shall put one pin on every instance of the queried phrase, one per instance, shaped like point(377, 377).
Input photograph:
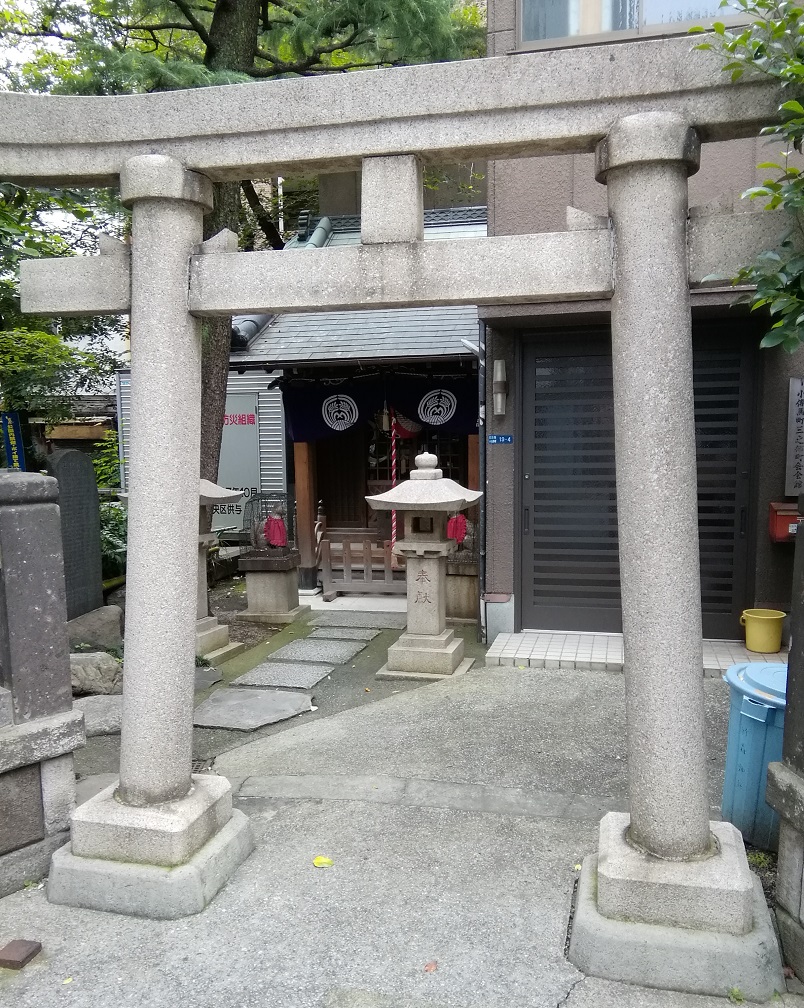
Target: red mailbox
point(783, 520)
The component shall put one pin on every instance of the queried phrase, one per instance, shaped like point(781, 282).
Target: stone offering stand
point(272, 571)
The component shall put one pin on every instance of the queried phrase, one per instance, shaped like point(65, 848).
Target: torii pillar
point(162, 841)
point(669, 900)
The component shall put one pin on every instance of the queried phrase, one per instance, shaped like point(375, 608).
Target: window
point(566, 19)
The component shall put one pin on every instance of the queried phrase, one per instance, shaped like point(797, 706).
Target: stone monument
point(38, 727)
point(427, 649)
point(80, 530)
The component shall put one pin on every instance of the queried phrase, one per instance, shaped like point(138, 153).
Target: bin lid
point(765, 682)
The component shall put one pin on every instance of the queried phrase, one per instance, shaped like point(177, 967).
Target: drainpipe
point(481, 450)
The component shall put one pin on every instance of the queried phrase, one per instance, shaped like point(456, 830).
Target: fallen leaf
point(68, 980)
point(431, 967)
point(323, 862)
point(577, 867)
point(367, 690)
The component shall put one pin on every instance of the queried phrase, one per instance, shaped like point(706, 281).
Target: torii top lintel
point(529, 104)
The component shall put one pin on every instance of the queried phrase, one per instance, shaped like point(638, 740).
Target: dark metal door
point(569, 561)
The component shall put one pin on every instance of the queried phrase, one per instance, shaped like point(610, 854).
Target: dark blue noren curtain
point(316, 410)
point(442, 404)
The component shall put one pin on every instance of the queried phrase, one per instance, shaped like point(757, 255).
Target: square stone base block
point(210, 635)
point(439, 654)
point(167, 834)
point(714, 894)
point(674, 958)
point(387, 673)
point(30, 863)
point(791, 934)
point(142, 890)
point(275, 618)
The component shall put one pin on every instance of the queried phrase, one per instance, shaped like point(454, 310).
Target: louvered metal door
point(570, 565)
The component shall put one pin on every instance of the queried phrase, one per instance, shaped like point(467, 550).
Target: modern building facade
point(552, 517)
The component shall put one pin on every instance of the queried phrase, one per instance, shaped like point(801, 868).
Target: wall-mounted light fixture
point(499, 388)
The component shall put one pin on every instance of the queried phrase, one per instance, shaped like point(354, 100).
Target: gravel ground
point(226, 599)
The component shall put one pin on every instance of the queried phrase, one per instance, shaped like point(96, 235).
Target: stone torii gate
point(669, 900)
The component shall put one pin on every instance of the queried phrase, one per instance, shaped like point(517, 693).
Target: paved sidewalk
point(603, 652)
point(455, 815)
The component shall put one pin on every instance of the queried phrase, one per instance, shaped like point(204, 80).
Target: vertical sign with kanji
point(12, 440)
point(794, 480)
point(240, 458)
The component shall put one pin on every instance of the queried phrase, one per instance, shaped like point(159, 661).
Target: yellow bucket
point(763, 630)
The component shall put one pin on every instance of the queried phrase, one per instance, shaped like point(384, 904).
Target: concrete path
point(455, 815)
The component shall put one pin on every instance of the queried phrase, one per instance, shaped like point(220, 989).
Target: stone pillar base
point(162, 861)
point(711, 894)
point(388, 673)
point(144, 890)
point(166, 834)
point(675, 958)
point(428, 654)
point(275, 618)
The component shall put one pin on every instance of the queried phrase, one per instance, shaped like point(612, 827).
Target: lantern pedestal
point(211, 637)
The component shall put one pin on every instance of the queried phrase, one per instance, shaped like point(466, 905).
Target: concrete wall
point(502, 547)
point(339, 192)
point(531, 194)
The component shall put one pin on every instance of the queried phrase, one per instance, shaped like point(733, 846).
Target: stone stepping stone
point(335, 652)
point(206, 677)
point(249, 709)
point(371, 620)
point(302, 675)
point(344, 633)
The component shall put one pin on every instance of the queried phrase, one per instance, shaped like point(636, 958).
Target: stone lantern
point(427, 649)
point(211, 638)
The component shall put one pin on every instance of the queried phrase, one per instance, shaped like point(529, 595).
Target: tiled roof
point(343, 337)
point(449, 223)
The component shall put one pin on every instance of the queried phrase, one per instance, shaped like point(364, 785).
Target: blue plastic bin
point(756, 724)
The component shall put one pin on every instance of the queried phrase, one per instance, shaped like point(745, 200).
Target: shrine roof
point(342, 337)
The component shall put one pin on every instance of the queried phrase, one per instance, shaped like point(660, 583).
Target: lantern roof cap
point(211, 493)
point(426, 490)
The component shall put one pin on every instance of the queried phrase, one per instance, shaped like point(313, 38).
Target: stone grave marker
point(80, 530)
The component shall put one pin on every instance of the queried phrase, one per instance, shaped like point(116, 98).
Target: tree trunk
point(233, 35)
point(233, 41)
point(217, 342)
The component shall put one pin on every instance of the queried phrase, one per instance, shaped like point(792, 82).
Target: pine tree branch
point(267, 226)
point(39, 33)
point(162, 26)
point(187, 10)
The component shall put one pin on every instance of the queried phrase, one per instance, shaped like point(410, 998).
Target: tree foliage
point(120, 46)
point(107, 47)
point(42, 370)
point(772, 43)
